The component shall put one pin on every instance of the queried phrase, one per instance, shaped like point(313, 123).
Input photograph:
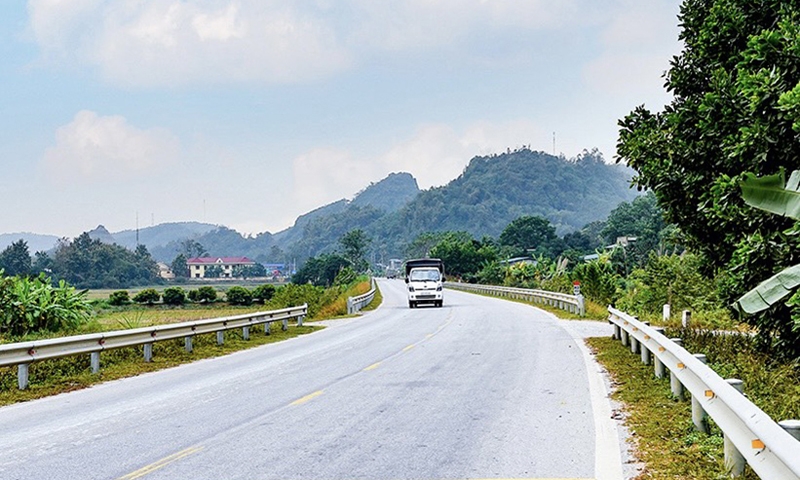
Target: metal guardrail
point(563, 301)
point(23, 353)
point(355, 304)
point(750, 434)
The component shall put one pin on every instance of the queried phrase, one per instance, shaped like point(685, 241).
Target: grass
point(662, 432)
point(51, 377)
point(376, 300)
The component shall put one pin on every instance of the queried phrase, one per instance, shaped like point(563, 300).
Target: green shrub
point(29, 305)
point(203, 295)
point(263, 293)
point(239, 296)
point(292, 295)
point(148, 296)
point(118, 298)
point(174, 296)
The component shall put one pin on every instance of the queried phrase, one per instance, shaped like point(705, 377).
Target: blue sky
point(249, 113)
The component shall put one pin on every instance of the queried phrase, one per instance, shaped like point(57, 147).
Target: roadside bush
point(29, 305)
point(292, 295)
point(203, 295)
point(118, 298)
point(148, 296)
point(239, 296)
point(263, 293)
point(174, 296)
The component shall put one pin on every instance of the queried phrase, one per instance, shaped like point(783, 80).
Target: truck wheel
point(410, 304)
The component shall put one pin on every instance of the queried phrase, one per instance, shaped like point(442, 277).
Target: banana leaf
point(770, 291)
point(773, 194)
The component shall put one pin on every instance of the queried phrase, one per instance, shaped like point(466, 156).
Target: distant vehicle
point(425, 277)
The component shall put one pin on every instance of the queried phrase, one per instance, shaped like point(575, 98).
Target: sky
point(248, 113)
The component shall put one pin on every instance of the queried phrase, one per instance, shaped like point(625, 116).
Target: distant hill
point(100, 233)
point(36, 242)
point(162, 234)
point(490, 193)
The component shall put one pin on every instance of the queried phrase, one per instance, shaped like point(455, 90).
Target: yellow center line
point(161, 463)
point(409, 347)
point(372, 367)
point(430, 335)
point(303, 400)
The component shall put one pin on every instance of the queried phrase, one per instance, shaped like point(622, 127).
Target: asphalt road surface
point(481, 388)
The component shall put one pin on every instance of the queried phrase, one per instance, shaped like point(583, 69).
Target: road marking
point(161, 463)
point(409, 347)
point(372, 367)
point(430, 335)
point(305, 399)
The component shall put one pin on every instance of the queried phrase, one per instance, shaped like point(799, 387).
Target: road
point(481, 388)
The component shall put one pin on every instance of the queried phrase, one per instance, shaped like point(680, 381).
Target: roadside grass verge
point(51, 377)
point(376, 302)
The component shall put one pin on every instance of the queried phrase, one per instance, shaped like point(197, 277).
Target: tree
point(354, 246)
point(320, 271)
point(148, 296)
point(16, 259)
point(174, 296)
point(203, 295)
point(735, 109)
point(192, 249)
point(263, 293)
point(531, 235)
point(42, 263)
point(238, 296)
point(213, 271)
point(119, 298)
point(179, 266)
point(462, 255)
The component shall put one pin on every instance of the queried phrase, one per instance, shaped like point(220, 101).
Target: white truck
point(425, 278)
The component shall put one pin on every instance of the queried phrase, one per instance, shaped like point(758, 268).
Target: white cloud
point(178, 42)
point(101, 148)
point(172, 42)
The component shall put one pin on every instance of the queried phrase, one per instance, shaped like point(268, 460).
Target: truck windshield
point(423, 275)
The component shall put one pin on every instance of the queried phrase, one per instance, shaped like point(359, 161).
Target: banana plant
point(773, 194)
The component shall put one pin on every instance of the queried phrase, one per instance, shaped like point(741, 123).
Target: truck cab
point(425, 279)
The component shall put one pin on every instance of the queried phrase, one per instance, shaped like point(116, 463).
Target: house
point(164, 271)
point(198, 266)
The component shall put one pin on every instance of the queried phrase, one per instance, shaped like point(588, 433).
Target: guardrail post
point(674, 383)
point(665, 312)
point(791, 426)
point(187, 344)
point(220, 337)
point(95, 362)
point(686, 319)
point(266, 328)
point(617, 335)
point(285, 325)
point(349, 305)
point(659, 368)
point(644, 350)
point(581, 305)
point(22, 375)
point(246, 333)
point(634, 344)
point(300, 320)
point(734, 461)
point(624, 337)
point(699, 416)
point(148, 352)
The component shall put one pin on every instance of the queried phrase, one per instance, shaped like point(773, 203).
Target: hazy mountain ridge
point(490, 193)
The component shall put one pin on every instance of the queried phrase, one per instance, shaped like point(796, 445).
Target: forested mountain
point(490, 193)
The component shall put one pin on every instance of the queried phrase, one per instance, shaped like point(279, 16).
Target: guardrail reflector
point(625, 322)
point(635, 329)
point(758, 444)
point(661, 349)
point(647, 337)
point(709, 394)
point(681, 366)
